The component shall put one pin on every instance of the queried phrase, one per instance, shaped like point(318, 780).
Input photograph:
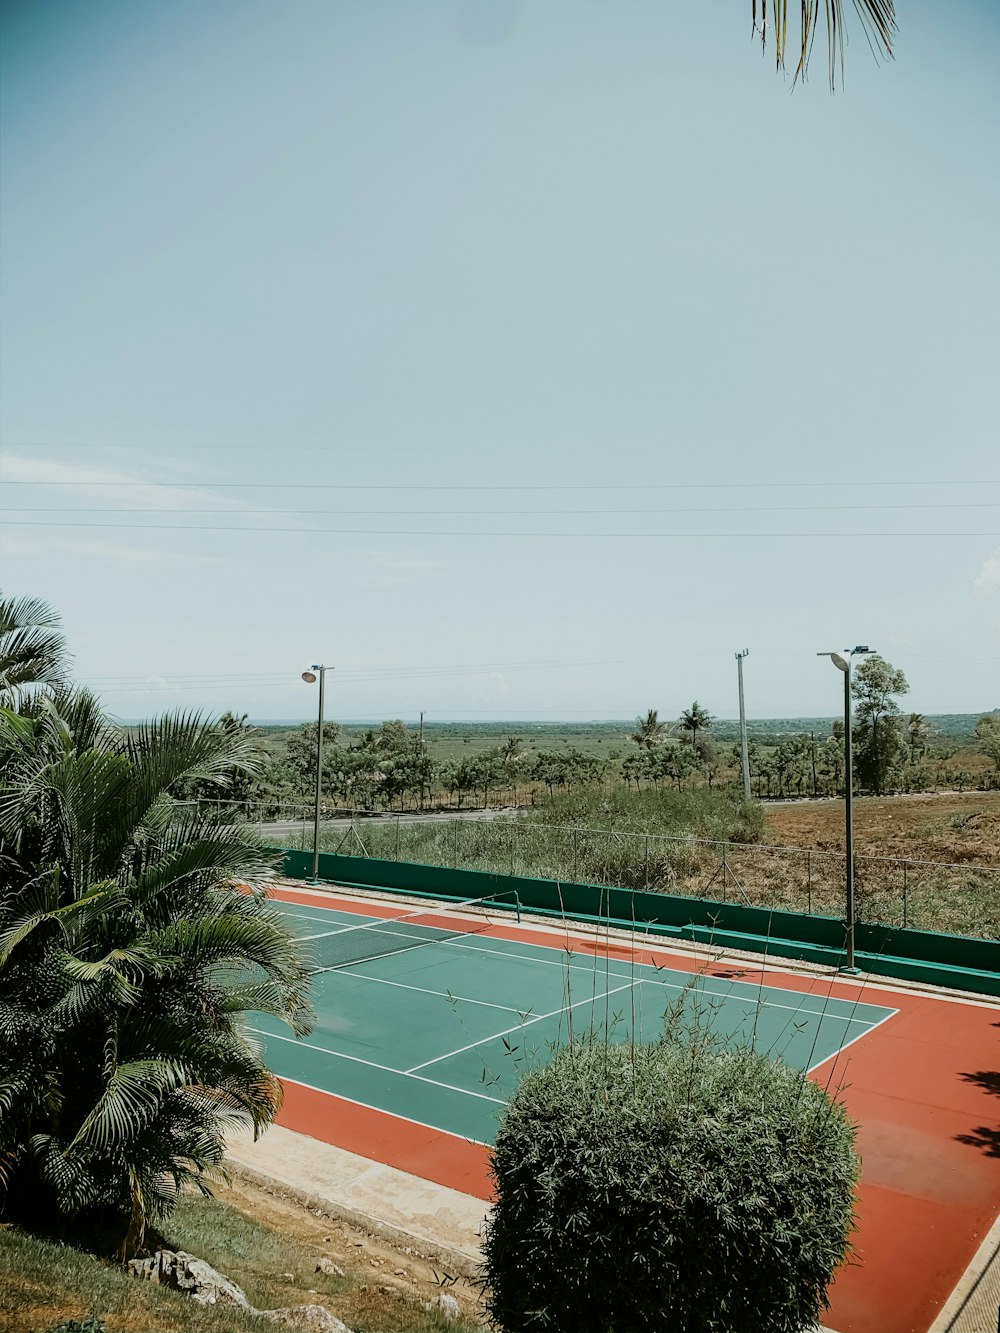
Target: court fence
point(955, 961)
point(955, 898)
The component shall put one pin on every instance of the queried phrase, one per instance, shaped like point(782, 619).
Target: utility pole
point(317, 672)
point(744, 753)
point(842, 661)
point(421, 744)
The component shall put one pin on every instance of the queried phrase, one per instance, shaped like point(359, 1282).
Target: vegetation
point(881, 748)
point(269, 1247)
point(672, 1185)
point(463, 765)
point(877, 20)
point(32, 648)
point(988, 738)
point(129, 950)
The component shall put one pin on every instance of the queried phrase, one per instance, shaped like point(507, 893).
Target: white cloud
point(89, 482)
point(989, 576)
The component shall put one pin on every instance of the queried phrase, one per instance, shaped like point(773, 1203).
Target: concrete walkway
point(438, 1223)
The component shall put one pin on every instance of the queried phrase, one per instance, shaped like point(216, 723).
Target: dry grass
point(269, 1246)
point(955, 827)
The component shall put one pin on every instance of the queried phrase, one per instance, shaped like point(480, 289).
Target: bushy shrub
point(676, 1187)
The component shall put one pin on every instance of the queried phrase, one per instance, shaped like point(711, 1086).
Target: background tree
point(32, 647)
point(649, 730)
point(511, 756)
point(695, 719)
point(879, 741)
point(300, 755)
point(987, 735)
point(917, 731)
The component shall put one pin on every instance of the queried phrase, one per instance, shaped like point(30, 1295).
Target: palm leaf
point(32, 648)
point(877, 19)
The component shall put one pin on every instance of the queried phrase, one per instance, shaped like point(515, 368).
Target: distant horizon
point(552, 722)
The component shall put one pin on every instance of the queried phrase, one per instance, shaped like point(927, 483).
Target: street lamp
point(842, 661)
point(310, 677)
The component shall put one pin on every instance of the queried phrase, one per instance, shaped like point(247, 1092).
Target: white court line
point(460, 943)
point(671, 947)
point(537, 1018)
point(372, 1064)
point(425, 990)
point(672, 985)
point(838, 1053)
point(410, 1120)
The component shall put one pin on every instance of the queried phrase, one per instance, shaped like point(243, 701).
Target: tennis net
point(372, 939)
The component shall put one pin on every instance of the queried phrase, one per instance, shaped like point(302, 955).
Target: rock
point(448, 1306)
point(288, 1277)
point(183, 1272)
point(308, 1318)
point(327, 1266)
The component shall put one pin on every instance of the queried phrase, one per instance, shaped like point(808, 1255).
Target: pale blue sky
point(569, 255)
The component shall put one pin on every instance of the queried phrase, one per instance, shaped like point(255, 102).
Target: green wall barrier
point(916, 955)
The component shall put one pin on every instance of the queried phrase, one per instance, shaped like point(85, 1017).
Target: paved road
point(283, 827)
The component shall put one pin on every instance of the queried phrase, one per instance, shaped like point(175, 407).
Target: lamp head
point(310, 677)
point(842, 661)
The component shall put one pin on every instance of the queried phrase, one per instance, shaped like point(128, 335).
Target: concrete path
point(436, 1222)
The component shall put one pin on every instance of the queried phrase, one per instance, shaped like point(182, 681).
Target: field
point(955, 827)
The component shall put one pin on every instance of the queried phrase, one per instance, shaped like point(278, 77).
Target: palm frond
point(770, 20)
point(132, 1098)
point(32, 647)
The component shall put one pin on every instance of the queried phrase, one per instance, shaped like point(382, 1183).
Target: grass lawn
point(269, 1247)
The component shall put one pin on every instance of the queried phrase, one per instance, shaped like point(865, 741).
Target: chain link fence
point(956, 898)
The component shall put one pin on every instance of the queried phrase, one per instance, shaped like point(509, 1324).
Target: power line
point(521, 513)
point(479, 532)
point(360, 673)
point(548, 486)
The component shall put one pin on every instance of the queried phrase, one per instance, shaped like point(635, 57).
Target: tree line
point(389, 767)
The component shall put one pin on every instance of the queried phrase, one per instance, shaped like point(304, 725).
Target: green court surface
point(440, 1033)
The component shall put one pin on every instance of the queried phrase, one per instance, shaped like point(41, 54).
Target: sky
point(515, 360)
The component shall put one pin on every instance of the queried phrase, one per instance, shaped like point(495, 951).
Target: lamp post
point(744, 751)
point(310, 677)
point(842, 661)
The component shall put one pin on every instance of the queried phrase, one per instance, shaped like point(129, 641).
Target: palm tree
point(695, 719)
point(649, 730)
point(32, 648)
point(918, 730)
point(878, 21)
point(135, 935)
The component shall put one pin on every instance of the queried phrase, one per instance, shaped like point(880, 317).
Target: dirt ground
point(393, 1268)
point(947, 826)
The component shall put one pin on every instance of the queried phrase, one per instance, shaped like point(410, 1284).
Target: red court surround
point(922, 1088)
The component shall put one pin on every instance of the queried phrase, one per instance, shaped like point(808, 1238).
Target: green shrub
point(676, 1187)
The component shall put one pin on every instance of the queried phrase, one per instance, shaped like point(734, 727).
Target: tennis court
point(433, 1017)
point(425, 1024)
